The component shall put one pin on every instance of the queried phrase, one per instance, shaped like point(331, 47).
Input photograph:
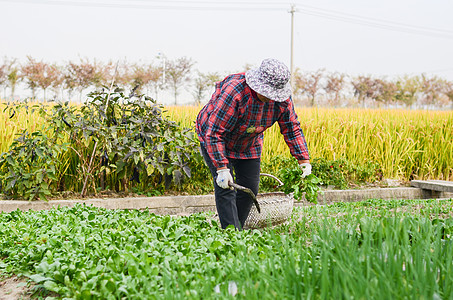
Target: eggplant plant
point(111, 140)
point(29, 166)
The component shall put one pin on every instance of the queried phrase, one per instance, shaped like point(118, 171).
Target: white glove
point(306, 168)
point(223, 178)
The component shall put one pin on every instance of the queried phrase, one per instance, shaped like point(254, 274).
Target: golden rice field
point(404, 142)
point(13, 123)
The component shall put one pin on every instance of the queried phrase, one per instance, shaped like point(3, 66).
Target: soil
point(14, 288)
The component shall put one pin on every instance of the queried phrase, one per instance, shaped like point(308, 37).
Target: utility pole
point(292, 11)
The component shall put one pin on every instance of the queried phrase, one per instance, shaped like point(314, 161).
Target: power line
point(255, 6)
point(152, 6)
point(217, 2)
point(322, 12)
point(368, 19)
point(406, 29)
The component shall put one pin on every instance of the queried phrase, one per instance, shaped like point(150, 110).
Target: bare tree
point(410, 91)
point(178, 73)
point(138, 77)
point(308, 84)
point(147, 76)
point(363, 88)
point(110, 70)
point(156, 81)
point(448, 91)
point(431, 90)
point(407, 89)
point(384, 91)
point(69, 80)
point(46, 76)
point(30, 71)
point(203, 82)
point(78, 76)
point(13, 75)
point(83, 75)
point(298, 86)
point(334, 85)
point(3, 77)
point(49, 75)
point(58, 82)
point(122, 74)
point(40, 74)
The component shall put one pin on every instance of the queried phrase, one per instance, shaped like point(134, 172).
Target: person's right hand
point(223, 178)
point(306, 169)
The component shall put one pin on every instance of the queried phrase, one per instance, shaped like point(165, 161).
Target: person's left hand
point(306, 168)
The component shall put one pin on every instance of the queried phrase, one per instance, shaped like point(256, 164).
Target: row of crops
point(127, 143)
point(366, 250)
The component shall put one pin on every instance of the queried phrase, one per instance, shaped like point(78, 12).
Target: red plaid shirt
point(231, 124)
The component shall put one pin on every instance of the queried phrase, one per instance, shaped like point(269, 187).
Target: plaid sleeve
point(221, 121)
point(294, 137)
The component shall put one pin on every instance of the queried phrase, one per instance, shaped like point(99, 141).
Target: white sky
point(224, 35)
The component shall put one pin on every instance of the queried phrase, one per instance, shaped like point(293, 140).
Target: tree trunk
point(156, 92)
point(13, 88)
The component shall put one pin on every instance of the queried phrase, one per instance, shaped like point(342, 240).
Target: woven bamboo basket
point(276, 208)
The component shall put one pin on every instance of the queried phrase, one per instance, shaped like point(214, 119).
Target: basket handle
point(272, 176)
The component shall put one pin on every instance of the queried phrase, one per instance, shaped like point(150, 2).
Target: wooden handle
point(248, 191)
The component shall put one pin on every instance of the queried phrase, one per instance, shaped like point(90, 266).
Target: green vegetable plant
point(30, 166)
point(339, 173)
point(331, 172)
point(309, 186)
point(376, 249)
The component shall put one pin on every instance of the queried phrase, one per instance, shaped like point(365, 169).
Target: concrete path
point(175, 205)
point(434, 185)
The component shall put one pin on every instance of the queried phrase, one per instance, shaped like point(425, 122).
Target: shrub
point(112, 140)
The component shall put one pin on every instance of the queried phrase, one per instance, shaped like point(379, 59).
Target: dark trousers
point(234, 206)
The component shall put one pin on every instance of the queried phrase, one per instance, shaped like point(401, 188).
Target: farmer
point(230, 129)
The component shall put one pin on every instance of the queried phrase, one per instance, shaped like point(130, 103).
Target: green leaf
point(42, 196)
point(51, 286)
point(10, 160)
point(38, 278)
point(214, 246)
point(39, 176)
point(187, 171)
point(149, 169)
point(39, 152)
